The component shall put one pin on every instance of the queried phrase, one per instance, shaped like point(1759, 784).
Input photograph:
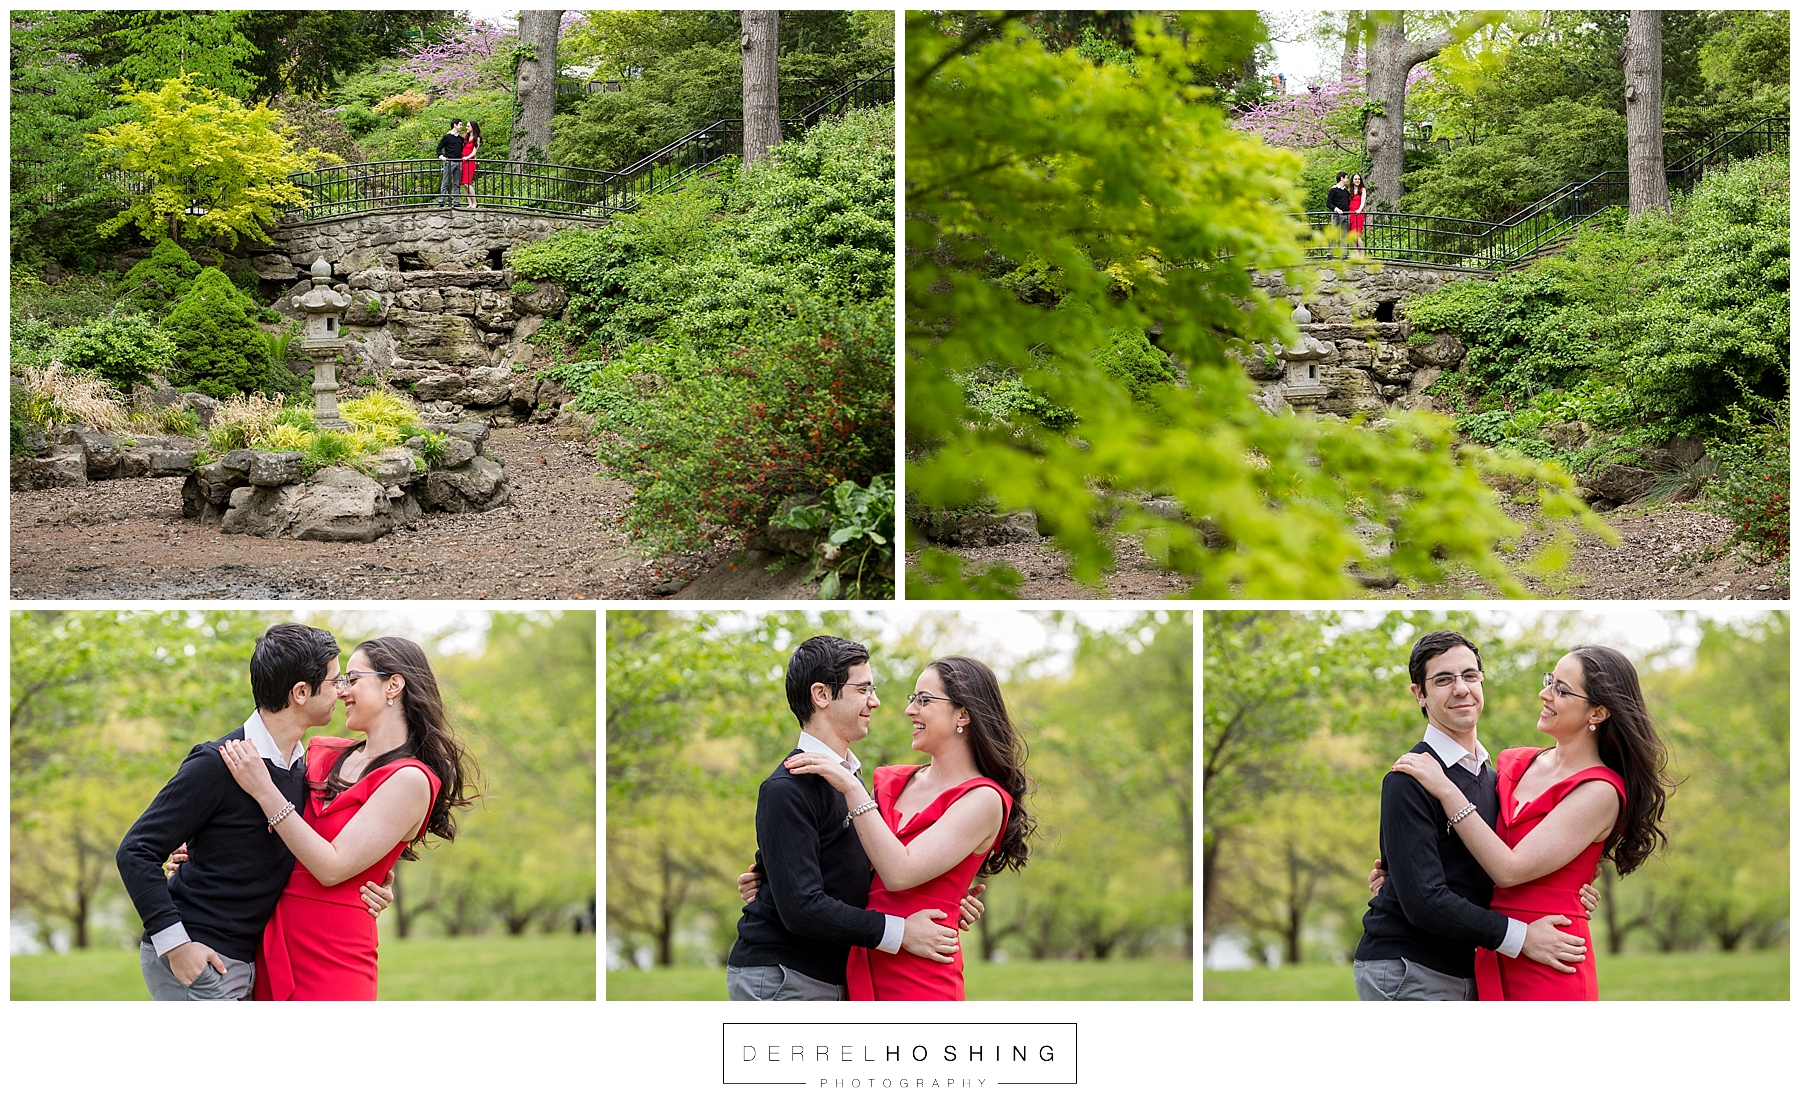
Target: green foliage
point(1753, 486)
point(157, 46)
point(714, 442)
point(219, 349)
point(737, 336)
point(859, 547)
point(682, 70)
point(416, 136)
point(1117, 181)
point(159, 281)
point(213, 166)
point(1662, 323)
point(328, 449)
point(58, 197)
point(384, 414)
point(123, 348)
point(1548, 147)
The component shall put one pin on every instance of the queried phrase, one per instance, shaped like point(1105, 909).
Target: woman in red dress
point(932, 828)
point(1598, 792)
point(471, 145)
point(370, 803)
point(1359, 199)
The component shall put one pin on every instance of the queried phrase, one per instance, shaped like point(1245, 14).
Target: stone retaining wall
point(425, 239)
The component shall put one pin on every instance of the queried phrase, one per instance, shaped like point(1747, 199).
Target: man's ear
point(301, 692)
point(821, 696)
point(1418, 693)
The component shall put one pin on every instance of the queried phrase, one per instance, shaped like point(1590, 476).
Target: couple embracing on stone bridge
point(457, 150)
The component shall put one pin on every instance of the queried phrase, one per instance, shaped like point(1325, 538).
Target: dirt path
point(1668, 553)
point(559, 539)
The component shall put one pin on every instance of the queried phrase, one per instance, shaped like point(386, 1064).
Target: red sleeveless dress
point(321, 943)
point(877, 975)
point(1498, 977)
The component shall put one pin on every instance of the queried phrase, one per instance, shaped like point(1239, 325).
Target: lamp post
point(324, 308)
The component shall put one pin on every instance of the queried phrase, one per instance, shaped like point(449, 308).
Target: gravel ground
point(559, 539)
point(1667, 553)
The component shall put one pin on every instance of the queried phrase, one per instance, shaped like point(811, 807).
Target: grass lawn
point(1745, 975)
point(557, 966)
point(1145, 979)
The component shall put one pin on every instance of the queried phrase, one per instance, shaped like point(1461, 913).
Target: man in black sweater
point(450, 152)
point(202, 924)
point(795, 935)
point(1425, 923)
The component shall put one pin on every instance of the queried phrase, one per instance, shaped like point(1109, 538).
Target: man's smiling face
point(849, 713)
point(1453, 706)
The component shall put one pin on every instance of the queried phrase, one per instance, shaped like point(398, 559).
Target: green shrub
point(329, 449)
point(713, 445)
point(220, 350)
point(123, 349)
point(1562, 142)
point(158, 282)
point(1753, 483)
point(859, 549)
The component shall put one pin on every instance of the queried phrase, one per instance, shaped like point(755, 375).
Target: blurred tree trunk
point(1353, 25)
point(536, 72)
point(1642, 56)
point(762, 105)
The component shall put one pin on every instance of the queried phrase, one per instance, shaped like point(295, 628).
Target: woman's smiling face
point(934, 718)
point(363, 696)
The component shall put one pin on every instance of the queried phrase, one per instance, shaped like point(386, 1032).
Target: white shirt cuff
point(166, 939)
point(890, 937)
point(1515, 938)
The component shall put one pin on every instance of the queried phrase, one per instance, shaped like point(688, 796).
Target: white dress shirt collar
point(258, 734)
point(810, 743)
point(1450, 752)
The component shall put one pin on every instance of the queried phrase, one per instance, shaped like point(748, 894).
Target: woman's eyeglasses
point(349, 678)
point(1562, 689)
point(921, 698)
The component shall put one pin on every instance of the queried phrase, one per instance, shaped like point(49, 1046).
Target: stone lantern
point(324, 339)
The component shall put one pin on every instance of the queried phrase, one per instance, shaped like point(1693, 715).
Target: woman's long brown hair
point(429, 738)
point(1630, 746)
point(998, 749)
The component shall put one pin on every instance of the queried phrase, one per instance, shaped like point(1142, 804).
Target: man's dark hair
point(825, 660)
point(1342, 175)
point(453, 124)
point(1429, 647)
point(285, 655)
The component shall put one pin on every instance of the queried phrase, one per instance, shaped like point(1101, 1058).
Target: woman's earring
point(959, 729)
point(391, 702)
point(1591, 728)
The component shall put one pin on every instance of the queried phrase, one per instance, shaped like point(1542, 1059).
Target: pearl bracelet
point(863, 809)
point(1459, 816)
point(279, 815)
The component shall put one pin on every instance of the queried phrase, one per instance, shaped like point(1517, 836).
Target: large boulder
point(274, 468)
point(1619, 482)
point(485, 386)
point(978, 528)
point(428, 335)
point(63, 466)
point(102, 452)
point(343, 504)
point(264, 511)
point(475, 487)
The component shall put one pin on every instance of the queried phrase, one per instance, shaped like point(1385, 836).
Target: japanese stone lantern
point(324, 339)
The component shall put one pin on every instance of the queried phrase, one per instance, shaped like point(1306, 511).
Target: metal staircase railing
point(1481, 245)
point(552, 190)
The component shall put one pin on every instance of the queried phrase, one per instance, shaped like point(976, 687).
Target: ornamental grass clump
point(381, 419)
point(243, 421)
point(57, 395)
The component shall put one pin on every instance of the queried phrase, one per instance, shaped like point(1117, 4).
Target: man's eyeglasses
point(922, 698)
point(867, 690)
point(1562, 689)
point(349, 678)
point(1444, 680)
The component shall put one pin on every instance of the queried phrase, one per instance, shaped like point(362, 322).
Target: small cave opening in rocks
point(497, 259)
point(1384, 312)
point(411, 262)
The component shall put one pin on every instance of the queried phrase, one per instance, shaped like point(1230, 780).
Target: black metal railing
point(1480, 245)
point(415, 183)
point(536, 187)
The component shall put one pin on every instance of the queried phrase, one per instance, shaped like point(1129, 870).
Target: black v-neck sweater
point(812, 905)
point(1434, 907)
point(236, 868)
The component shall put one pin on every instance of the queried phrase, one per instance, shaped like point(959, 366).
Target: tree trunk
point(536, 73)
point(762, 104)
point(1352, 40)
point(1643, 113)
point(1391, 57)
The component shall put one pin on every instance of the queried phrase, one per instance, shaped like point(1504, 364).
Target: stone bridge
point(456, 238)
